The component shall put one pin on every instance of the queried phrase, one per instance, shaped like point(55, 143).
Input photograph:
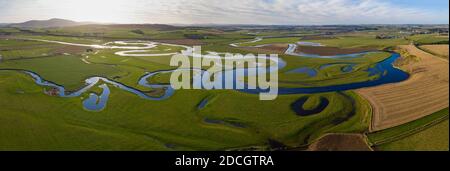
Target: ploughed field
point(425, 92)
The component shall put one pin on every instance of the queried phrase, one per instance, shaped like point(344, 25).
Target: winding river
point(387, 74)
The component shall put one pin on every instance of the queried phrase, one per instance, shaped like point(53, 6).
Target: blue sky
point(231, 11)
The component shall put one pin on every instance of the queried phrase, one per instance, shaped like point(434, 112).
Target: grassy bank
point(402, 132)
point(41, 122)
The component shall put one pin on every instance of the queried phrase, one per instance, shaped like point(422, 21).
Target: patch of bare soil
point(279, 48)
point(70, 50)
point(187, 42)
point(330, 51)
point(317, 37)
point(341, 142)
point(425, 92)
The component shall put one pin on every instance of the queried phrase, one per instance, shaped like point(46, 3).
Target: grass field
point(230, 120)
point(361, 41)
point(162, 49)
point(402, 131)
point(161, 125)
point(428, 133)
point(329, 74)
point(272, 41)
point(423, 39)
point(80, 40)
point(59, 68)
point(431, 139)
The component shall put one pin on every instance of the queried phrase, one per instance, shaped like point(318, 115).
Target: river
point(385, 69)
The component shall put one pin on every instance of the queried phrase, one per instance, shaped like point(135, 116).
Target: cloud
point(307, 12)
point(224, 12)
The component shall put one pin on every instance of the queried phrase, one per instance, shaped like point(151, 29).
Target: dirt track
point(426, 92)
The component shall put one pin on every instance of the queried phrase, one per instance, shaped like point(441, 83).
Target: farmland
point(437, 50)
point(190, 120)
point(411, 136)
point(366, 41)
point(429, 79)
point(432, 139)
point(429, 39)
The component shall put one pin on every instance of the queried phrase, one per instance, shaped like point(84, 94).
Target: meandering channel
point(387, 74)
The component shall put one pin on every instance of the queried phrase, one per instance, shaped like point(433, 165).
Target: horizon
point(212, 12)
point(215, 24)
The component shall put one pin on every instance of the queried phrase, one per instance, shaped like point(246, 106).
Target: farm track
point(424, 93)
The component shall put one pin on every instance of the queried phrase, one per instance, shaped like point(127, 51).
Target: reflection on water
point(96, 103)
point(305, 70)
point(385, 70)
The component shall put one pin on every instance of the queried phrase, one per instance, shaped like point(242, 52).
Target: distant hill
point(55, 22)
point(68, 23)
point(101, 28)
point(3, 24)
point(144, 26)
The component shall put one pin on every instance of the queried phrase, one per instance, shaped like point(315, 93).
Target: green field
point(423, 39)
point(61, 123)
point(431, 139)
point(361, 41)
point(411, 136)
point(272, 41)
point(329, 75)
point(68, 71)
point(231, 120)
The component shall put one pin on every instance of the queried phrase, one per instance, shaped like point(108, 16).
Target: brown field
point(341, 142)
point(187, 42)
point(317, 37)
point(70, 49)
point(279, 48)
point(330, 51)
point(426, 92)
point(439, 50)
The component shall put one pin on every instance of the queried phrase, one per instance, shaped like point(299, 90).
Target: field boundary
point(409, 132)
point(430, 52)
point(424, 93)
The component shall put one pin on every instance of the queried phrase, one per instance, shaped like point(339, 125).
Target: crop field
point(139, 117)
point(424, 93)
point(400, 135)
point(438, 50)
point(366, 41)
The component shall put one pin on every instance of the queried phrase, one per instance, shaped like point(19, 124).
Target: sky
point(275, 12)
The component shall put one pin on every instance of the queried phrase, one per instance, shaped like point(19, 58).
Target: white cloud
point(223, 12)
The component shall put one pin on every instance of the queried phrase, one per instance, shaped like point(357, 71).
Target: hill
point(55, 22)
